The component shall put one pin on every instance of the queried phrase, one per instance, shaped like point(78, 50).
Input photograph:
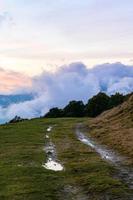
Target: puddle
point(53, 165)
point(104, 153)
point(47, 136)
point(49, 128)
point(125, 173)
point(52, 161)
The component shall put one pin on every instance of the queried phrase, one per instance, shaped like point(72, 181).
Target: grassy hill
point(85, 175)
point(115, 128)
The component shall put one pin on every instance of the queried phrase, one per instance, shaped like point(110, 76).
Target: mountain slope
point(115, 128)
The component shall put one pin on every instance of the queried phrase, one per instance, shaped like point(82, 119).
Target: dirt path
point(125, 173)
point(73, 193)
point(52, 161)
point(62, 149)
point(69, 192)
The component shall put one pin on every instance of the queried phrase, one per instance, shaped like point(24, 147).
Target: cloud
point(10, 81)
point(3, 17)
point(6, 17)
point(74, 81)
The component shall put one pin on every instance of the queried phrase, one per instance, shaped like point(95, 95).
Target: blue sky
point(44, 34)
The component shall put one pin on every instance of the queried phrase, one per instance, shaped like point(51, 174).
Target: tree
point(74, 109)
point(16, 119)
point(97, 104)
point(54, 112)
point(116, 99)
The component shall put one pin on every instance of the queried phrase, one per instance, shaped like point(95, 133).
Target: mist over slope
point(71, 82)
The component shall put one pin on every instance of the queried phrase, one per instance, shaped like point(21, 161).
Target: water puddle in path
point(47, 136)
point(49, 128)
point(52, 165)
point(124, 172)
point(104, 153)
point(52, 162)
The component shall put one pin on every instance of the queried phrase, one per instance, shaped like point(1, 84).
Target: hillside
point(25, 160)
point(115, 128)
point(53, 159)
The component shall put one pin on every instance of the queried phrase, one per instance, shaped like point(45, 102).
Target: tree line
point(95, 106)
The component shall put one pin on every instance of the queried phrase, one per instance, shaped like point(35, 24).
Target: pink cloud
point(10, 81)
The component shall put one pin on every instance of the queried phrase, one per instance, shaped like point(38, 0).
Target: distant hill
point(115, 127)
point(6, 100)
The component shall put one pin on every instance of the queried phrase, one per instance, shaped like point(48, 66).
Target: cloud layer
point(71, 82)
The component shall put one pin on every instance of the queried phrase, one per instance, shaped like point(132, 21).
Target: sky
point(37, 35)
point(61, 50)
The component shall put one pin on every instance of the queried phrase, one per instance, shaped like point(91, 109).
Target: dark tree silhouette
point(116, 99)
point(54, 112)
point(74, 109)
point(97, 104)
point(17, 119)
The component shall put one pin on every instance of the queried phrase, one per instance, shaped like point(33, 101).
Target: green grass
point(22, 176)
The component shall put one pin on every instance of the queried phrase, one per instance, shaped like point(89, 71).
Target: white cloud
point(6, 19)
point(71, 82)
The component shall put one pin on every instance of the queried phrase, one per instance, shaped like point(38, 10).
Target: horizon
point(70, 82)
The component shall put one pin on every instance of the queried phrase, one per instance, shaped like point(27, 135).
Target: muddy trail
point(69, 192)
point(124, 172)
point(52, 162)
